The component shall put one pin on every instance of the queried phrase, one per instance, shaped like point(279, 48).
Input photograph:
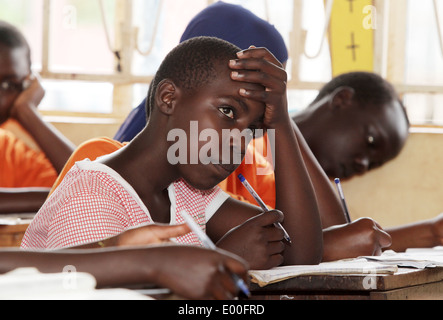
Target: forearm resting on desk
point(110, 267)
point(423, 234)
point(21, 200)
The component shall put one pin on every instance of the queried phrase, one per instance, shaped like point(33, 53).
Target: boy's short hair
point(370, 89)
point(12, 38)
point(192, 64)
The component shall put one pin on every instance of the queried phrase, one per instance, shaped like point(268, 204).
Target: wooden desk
point(412, 284)
point(11, 236)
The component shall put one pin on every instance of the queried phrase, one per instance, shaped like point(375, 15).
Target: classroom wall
point(80, 132)
point(77, 132)
point(405, 190)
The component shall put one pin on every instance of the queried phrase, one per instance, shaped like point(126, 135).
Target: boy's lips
point(227, 169)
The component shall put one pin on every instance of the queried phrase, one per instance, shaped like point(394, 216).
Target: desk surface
point(405, 284)
point(11, 236)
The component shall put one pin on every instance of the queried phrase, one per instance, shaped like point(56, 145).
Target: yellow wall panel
point(351, 36)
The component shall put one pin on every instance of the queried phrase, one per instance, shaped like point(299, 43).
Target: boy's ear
point(165, 97)
point(341, 97)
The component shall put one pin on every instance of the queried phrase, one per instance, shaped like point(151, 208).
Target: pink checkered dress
point(94, 202)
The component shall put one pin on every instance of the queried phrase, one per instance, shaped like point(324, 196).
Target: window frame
point(389, 56)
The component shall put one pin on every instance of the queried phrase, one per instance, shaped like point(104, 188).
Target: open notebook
point(348, 267)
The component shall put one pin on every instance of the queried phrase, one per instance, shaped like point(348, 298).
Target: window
point(74, 43)
point(424, 61)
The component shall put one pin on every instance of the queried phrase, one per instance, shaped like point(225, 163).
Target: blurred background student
point(20, 165)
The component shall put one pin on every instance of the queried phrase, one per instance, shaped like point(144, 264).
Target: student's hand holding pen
point(199, 273)
point(362, 237)
point(257, 240)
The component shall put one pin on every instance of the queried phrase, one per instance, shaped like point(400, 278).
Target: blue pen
point(343, 201)
point(209, 244)
point(262, 204)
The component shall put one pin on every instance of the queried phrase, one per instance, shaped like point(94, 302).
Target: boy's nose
point(361, 164)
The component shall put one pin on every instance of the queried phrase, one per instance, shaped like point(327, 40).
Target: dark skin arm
point(296, 201)
point(340, 240)
point(331, 209)
point(362, 237)
point(18, 200)
point(56, 147)
point(190, 272)
point(423, 234)
point(141, 236)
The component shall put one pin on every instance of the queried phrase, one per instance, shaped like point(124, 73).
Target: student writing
point(202, 80)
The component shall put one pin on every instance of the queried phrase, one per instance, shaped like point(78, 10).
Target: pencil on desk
point(343, 201)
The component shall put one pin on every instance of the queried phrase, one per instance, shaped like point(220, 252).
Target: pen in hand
point(343, 201)
point(207, 243)
point(262, 204)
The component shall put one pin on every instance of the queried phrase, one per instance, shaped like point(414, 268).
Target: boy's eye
point(371, 140)
point(227, 112)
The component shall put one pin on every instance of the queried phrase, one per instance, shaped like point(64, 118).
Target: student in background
point(20, 95)
point(208, 81)
point(189, 272)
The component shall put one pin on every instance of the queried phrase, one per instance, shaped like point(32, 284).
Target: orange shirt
point(91, 149)
point(21, 166)
point(254, 170)
point(258, 171)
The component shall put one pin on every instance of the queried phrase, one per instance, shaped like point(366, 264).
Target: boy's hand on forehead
point(258, 65)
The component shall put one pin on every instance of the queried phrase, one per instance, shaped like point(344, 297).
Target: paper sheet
point(412, 258)
point(354, 266)
point(16, 219)
point(30, 284)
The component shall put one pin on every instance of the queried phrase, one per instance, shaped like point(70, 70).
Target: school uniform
point(22, 166)
point(93, 202)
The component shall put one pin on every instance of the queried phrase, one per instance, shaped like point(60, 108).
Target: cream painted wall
point(80, 132)
point(77, 132)
point(405, 190)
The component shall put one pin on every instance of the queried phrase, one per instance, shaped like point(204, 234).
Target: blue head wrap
point(229, 22)
point(237, 25)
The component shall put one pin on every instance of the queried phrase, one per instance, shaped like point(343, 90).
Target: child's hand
point(257, 241)
point(30, 97)
point(362, 237)
point(197, 273)
point(151, 234)
point(437, 229)
point(258, 65)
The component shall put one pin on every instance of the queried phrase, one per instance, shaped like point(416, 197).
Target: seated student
point(206, 81)
point(241, 27)
point(189, 272)
point(20, 94)
point(246, 27)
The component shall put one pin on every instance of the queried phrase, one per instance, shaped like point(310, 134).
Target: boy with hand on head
point(209, 81)
point(20, 95)
point(246, 29)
